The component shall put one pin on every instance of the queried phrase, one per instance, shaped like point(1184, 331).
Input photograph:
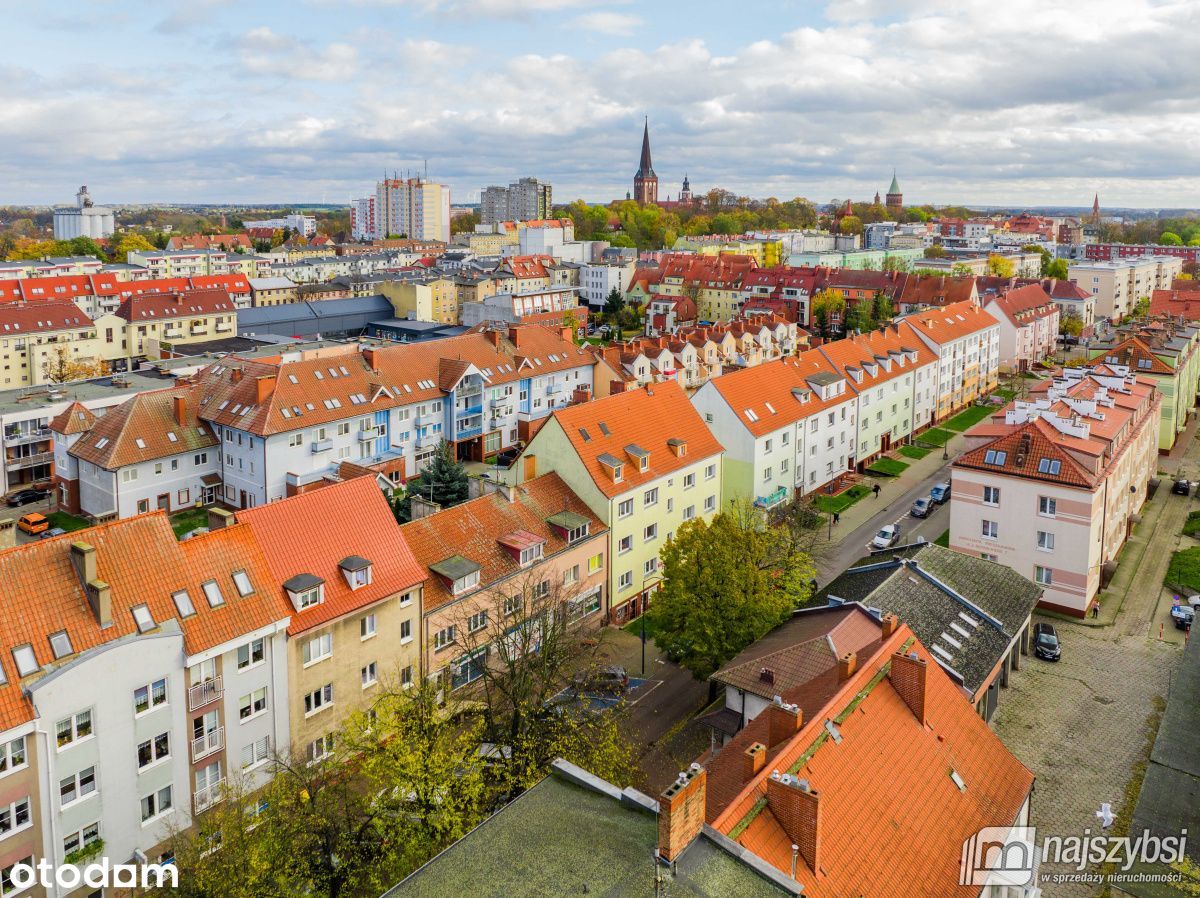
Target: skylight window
point(60, 644)
point(183, 603)
point(995, 457)
point(26, 660)
point(293, 379)
point(171, 436)
point(242, 581)
point(143, 618)
point(750, 414)
point(318, 375)
point(1049, 466)
point(141, 444)
point(102, 442)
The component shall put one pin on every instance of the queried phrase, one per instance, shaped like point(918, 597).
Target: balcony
point(552, 387)
point(223, 326)
point(466, 391)
point(772, 499)
point(203, 799)
point(321, 446)
point(17, 437)
point(172, 333)
point(368, 433)
point(499, 401)
point(210, 742)
point(466, 433)
point(205, 693)
point(427, 418)
point(15, 463)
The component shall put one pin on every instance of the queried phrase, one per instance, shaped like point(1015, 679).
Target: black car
point(921, 507)
point(1045, 642)
point(1181, 487)
point(24, 497)
point(1183, 616)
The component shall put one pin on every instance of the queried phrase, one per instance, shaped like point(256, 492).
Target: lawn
point(1184, 571)
point(66, 521)
point(969, 417)
point(935, 436)
point(841, 501)
point(913, 451)
point(635, 627)
point(943, 540)
point(1191, 527)
point(184, 521)
point(888, 467)
point(1006, 395)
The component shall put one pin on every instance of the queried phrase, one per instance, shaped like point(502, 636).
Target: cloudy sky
point(1011, 102)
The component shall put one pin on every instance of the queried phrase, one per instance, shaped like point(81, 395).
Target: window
point(1051, 466)
point(571, 575)
point(212, 592)
point(443, 638)
point(995, 457)
point(651, 532)
point(13, 755)
point(626, 580)
point(650, 497)
point(1045, 541)
point(318, 649)
point(625, 509)
point(991, 495)
point(14, 817)
point(242, 582)
point(577, 534)
point(366, 627)
point(251, 653)
point(467, 583)
point(256, 752)
point(710, 471)
point(60, 644)
point(156, 803)
point(308, 598)
point(320, 747)
point(991, 530)
point(80, 839)
point(405, 631)
point(7, 887)
point(477, 621)
point(530, 555)
point(318, 699)
point(689, 512)
point(143, 618)
point(183, 603)
point(150, 696)
point(1047, 506)
point(595, 563)
point(1043, 575)
point(26, 661)
point(406, 677)
point(152, 750)
point(625, 545)
point(252, 704)
point(74, 729)
point(987, 556)
point(78, 785)
point(710, 504)
point(369, 675)
point(650, 567)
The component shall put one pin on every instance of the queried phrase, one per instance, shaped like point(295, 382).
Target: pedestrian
point(1096, 609)
point(875, 490)
point(837, 517)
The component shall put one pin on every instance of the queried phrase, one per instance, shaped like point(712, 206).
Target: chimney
point(616, 386)
point(784, 721)
point(908, 676)
point(888, 625)
point(493, 337)
point(568, 334)
point(235, 374)
point(847, 664)
point(797, 807)
point(219, 518)
point(754, 759)
point(179, 403)
point(368, 354)
point(265, 385)
point(514, 334)
point(530, 467)
point(99, 596)
point(681, 812)
point(83, 557)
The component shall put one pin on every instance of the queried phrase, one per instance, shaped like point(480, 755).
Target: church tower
point(645, 182)
point(1096, 210)
point(895, 199)
point(685, 195)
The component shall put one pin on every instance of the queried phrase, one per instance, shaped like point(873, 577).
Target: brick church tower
point(645, 182)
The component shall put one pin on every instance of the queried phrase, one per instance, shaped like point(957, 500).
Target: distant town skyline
point(208, 101)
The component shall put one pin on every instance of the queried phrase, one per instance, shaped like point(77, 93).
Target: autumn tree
point(1056, 268)
point(1000, 266)
point(826, 310)
point(937, 251)
point(129, 243)
point(726, 584)
point(60, 366)
point(1071, 323)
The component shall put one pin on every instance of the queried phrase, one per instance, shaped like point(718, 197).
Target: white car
point(888, 536)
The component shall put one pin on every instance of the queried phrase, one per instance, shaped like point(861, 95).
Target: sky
point(1018, 102)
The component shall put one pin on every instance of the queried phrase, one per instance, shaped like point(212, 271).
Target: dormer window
point(143, 618)
point(305, 590)
point(356, 570)
point(459, 574)
point(26, 661)
point(638, 456)
point(466, 584)
point(571, 526)
point(614, 465)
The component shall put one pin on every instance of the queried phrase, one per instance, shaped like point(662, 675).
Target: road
point(850, 547)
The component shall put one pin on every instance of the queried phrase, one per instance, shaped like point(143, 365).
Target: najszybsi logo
point(999, 855)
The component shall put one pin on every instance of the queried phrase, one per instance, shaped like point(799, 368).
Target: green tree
point(726, 584)
point(130, 243)
point(1000, 266)
point(850, 224)
point(1170, 238)
point(1071, 323)
point(442, 481)
point(464, 224)
point(961, 270)
point(881, 308)
point(1056, 268)
point(937, 251)
point(858, 318)
point(1141, 308)
point(826, 309)
point(614, 303)
point(894, 263)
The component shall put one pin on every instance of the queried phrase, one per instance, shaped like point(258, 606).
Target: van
point(33, 522)
point(940, 493)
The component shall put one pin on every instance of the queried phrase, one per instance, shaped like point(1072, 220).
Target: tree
point(1056, 268)
point(961, 270)
point(1000, 266)
point(827, 307)
point(59, 366)
point(464, 224)
point(130, 243)
point(1170, 238)
point(726, 584)
point(858, 318)
point(1071, 323)
point(850, 224)
point(881, 308)
point(1141, 308)
point(936, 251)
point(894, 263)
point(614, 303)
point(442, 481)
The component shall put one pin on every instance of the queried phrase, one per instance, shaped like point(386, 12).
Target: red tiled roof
point(144, 427)
point(312, 532)
point(1022, 305)
point(949, 323)
point(165, 306)
point(29, 318)
point(75, 418)
point(771, 383)
point(864, 352)
point(1183, 303)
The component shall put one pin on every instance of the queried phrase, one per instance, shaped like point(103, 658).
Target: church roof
point(645, 169)
point(895, 188)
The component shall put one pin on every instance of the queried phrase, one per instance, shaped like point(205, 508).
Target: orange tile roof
point(937, 290)
point(312, 532)
point(1138, 355)
point(890, 811)
point(75, 418)
point(771, 384)
point(143, 428)
point(473, 529)
point(863, 353)
point(143, 563)
point(1022, 305)
point(165, 306)
point(647, 418)
point(949, 323)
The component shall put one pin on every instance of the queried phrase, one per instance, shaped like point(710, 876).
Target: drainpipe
point(46, 806)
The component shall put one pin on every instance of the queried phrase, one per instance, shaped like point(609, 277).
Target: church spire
point(645, 169)
point(1096, 209)
point(645, 182)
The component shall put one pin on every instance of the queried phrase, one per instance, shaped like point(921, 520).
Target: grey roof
point(455, 567)
point(305, 319)
point(354, 563)
point(270, 283)
point(964, 609)
point(568, 520)
point(301, 582)
point(576, 835)
point(824, 378)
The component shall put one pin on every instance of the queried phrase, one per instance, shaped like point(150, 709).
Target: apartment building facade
point(42, 343)
point(1119, 284)
point(966, 341)
point(1028, 319)
point(415, 208)
point(1049, 487)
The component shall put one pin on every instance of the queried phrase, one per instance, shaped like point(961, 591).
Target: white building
point(298, 224)
point(85, 220)
point(415, 208)
point(362, 219)
point(598, 279)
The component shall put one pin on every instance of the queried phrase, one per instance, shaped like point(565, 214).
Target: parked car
point(888, 536)
point(24, 497)
point(1045, 642)
point(53, 531)
point(1183, 616)
point(611, 678)
point(921, 507)
point(1182, 487)
point(34, 522)
point(941, 492)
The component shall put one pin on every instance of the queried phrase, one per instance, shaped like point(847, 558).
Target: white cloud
point(505, 9)
point(615, 23)
point(266, 52)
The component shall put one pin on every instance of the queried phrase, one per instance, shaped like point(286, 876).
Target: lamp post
point(645, 580)
point(829, 490)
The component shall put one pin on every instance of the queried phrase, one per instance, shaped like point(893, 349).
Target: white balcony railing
point(212, 741)
point(205, 798)
point(205, 693)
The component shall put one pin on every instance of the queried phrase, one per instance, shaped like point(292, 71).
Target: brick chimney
point(847, 665)
point(235, 374)
point(784, 721)
point(265, 385)
point(179, 404)
point(493, 337)
point(797, 807)
point(681, 812)
point(514, 334)
point(368, 354)
point(888, 625)
point(568, 334)
point(754, 759)
point(909, 679)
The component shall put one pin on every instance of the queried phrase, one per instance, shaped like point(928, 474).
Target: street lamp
point(645, 579)
point(829, 490)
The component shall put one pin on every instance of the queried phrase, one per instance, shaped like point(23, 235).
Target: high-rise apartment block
point(414, 208)
point(525, 200)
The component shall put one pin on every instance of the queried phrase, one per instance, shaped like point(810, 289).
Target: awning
point(211, 479)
